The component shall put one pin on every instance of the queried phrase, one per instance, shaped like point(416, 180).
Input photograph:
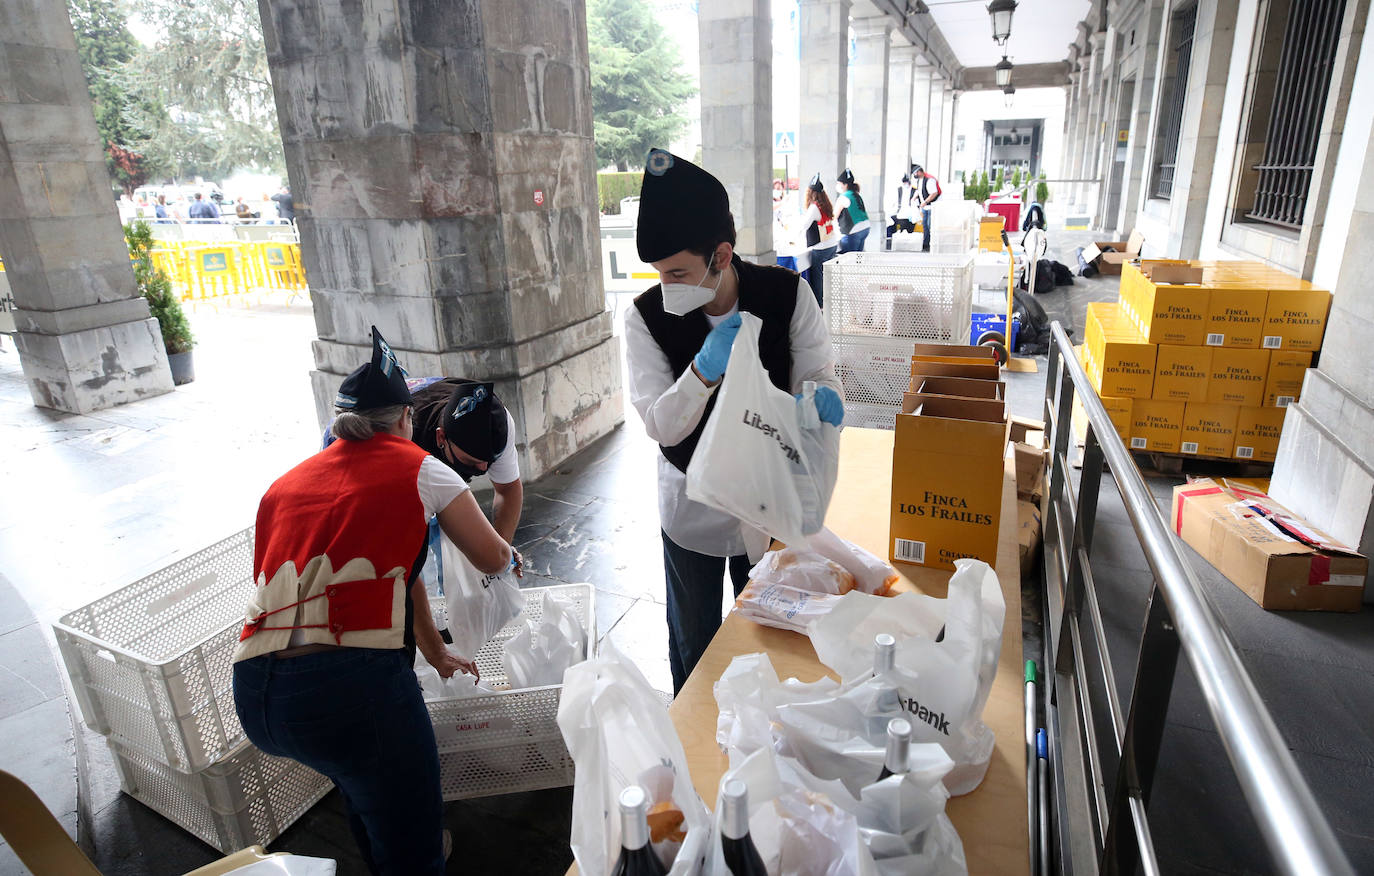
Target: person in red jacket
point(322, 673)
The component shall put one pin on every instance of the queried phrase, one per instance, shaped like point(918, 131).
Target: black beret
point(378, 384)
point(847, 177)
point(475, 420)
point(679, 205)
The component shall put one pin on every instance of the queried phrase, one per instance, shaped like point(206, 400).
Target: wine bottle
point(898, 748)
point(741, 857)
point(884, 653)
point(637, 856)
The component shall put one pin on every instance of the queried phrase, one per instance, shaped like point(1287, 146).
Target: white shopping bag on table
point(754, 460)
point(618, 733)
point(478, 605)
point(941, 686)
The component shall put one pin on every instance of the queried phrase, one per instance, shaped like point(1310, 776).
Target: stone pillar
point(441, 158)
point(950, 169)
point(1081, 127)
point(83, 332)
point(737, 115)
point(921, 82)
point(900, 96)
point(821, 133)
point(930, 155)
point(869, 159)
point(946, 134)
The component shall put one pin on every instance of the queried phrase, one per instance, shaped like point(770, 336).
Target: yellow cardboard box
point(1156, 425)
point(1295, 319)
point(1121, 362)
point(1181, 373)
point(1209, 429)
point(1257, 433)
point(1118, 411)
point(1164, 313)
point(1235, 317)
point(990, 232)
point(1287, 369)
point(947, 472)
point(1238, 376)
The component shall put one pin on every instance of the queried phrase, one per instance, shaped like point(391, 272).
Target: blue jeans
point(925, 230)
point(694, 595)
point(355, 715)
point(818, 258)
point(853, 242)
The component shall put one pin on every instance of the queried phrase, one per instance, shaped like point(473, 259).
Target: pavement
point(91, 503)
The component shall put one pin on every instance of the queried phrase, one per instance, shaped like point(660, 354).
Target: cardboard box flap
point(1023, 426)
point(987, 410)
point(1091, 253)
point(986, 371)
point(1171, 273)
point(1134, 243)
point(962, 387)
point(944, 350)
point(958, 427)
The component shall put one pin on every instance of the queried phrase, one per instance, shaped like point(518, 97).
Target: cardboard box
point(1238, 376)
point(1235, 317)
point(1030, 471)
point(1156, 425)
point(1024, 430)
point(1163, 313)
point(1172, 272)
point(1182, 373)
point(1287, 370)
point(1257, 433)
point(924, 369)
point(1208, 429)
point(1119, 410)
point(990, 232)
point(947, 473)
point(1028, 535)
point(944, 351)
point(1295, 319)
point(1123, 366)
point(1110, 263)
point(1258, 554)
point(952, 387)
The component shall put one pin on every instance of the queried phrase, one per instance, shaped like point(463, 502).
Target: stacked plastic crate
point(150, 667)
point(876, 305)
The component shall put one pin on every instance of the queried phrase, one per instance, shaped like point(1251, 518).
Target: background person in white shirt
point(678, 338)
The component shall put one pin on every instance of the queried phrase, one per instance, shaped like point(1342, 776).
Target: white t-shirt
point(813, 214)
point(505, 468)
point(439, 485)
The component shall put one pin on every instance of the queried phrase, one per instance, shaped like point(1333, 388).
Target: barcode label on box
point(1190, 447)
point(909, 551)
point(1272, 342)
point(1216, 340)
point(1138, 444)
point(1283, 401)
point(1245, 453)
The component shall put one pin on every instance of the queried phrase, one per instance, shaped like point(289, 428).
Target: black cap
point(847, 177)
point(475, 420)
point(916, 168)
point(679, 205)
point(816, 185)
point(906, 177)
point(378, 384)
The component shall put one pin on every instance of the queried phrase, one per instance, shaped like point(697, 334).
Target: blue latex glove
point(715, 352)
point(829, 407)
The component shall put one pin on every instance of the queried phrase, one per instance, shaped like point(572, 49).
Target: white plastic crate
point(507, 741)
point(918, 296)
point(246, 798)
point(874, 374)
point(150, 662)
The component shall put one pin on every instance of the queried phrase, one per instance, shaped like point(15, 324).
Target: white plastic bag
point(802, 569)
point(477, 605)
point(619, 733)
point(754, 460)
point(287, 865)
point(942, 686)
point(783, 606)
point(872, 574)
point(460, 684)
point(538, 654)
point(748, 695)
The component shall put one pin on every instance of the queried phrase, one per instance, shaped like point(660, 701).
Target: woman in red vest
point(322, 672)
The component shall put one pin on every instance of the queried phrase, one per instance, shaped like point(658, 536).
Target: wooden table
point(992, 820)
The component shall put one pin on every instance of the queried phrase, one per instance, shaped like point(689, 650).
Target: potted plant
point(1042, 189)
point(162, 302)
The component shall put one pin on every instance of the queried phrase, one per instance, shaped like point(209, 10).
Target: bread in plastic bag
point(871, 573)
point(539, 653)
point(941, 687)
point(618, 733)
point(754, 460)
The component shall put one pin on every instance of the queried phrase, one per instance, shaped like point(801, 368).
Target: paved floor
point(109, 497)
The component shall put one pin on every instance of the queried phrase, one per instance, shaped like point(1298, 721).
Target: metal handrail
point(1290, 820)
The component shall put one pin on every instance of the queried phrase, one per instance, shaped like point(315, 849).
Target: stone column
point(821, 133)
point(83, 332)
point(900, 96)
point(922, 80)
point(946, 134)
point(441, 158)
point(930, 155)
point(950, 169)
point(869, 159)
point(1081, 125)
point(737, 115)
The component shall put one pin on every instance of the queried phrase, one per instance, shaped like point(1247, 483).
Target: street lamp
point(1003, 72)
point(1000, 12)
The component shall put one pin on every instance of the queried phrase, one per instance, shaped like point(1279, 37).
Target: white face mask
point(680, 299)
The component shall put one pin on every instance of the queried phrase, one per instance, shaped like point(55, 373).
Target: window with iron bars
point(1175, 89)
point(1301, 84)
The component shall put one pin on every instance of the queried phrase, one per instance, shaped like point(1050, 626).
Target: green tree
point(638, 88)
point(1042, 189)
point(208, 66)
point(154, 286)
point(105, 45)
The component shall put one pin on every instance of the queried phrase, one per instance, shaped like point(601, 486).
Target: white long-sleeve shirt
point(672, 407)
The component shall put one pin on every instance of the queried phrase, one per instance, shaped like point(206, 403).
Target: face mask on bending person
point(681, 299)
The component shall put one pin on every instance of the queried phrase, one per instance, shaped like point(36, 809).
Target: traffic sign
point(785, 142)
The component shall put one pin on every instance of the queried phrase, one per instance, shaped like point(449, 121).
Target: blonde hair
point(362, 425)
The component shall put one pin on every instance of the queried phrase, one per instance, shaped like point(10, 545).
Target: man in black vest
point(927, 192)
point(678, 338)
